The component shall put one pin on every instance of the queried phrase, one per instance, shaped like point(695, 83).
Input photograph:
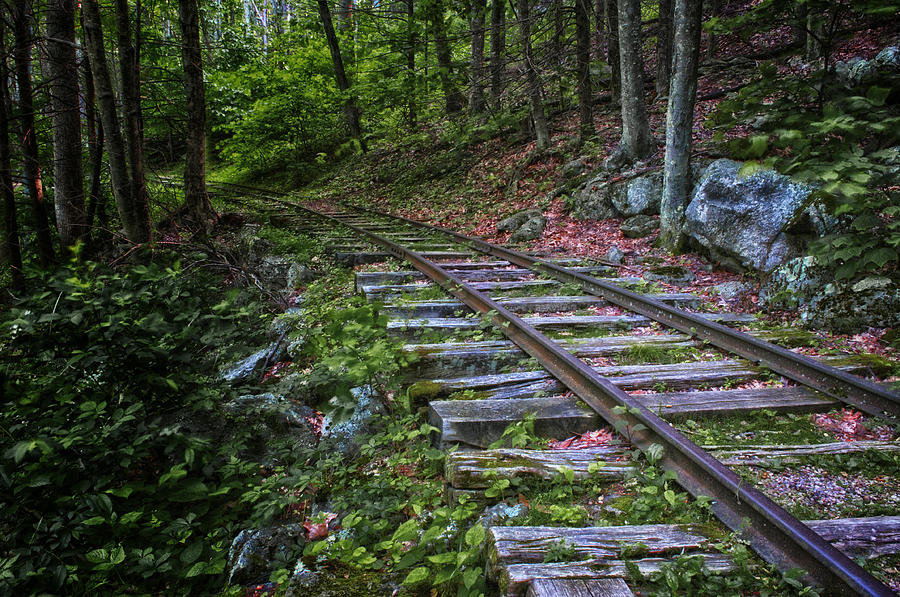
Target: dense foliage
point(837, 134)
point(116, 475)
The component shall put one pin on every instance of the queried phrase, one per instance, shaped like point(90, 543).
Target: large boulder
point(592, 200)
point(639, 226)
point(856, 71)
point(639, 195)
point(753, 222)
point(530, 230)
point(824, 303)
point(253, 551)
point(344, 435)
point(517, 220)
point(848, 309)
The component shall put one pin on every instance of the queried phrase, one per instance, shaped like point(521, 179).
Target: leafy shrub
point(351, 348)
point(840, 142)
point(115, 478)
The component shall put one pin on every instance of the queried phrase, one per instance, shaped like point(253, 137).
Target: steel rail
point(777, 536)
point(848, 388)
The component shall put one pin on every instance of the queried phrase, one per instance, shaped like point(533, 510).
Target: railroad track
point(561, 382)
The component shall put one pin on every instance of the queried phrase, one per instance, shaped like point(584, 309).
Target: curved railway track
point(471, 270)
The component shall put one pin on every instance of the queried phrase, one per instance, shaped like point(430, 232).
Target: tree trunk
point(351, 112)
point(196, 199)
point(498, 48)
point(68, 178)
point(556, 51)
point(636, 141)
point(534, 84)
point(679, 123)
point(32, 165)
point(597, 7)
point(583, 50)
point(476, 70)
point(612, 51)
point(12, 251)
point(798, 26)
point(130, 70)
point(452, 98)
point(815, 34)
point(410, 63)
point(137, 228)
point(664, 48)
point(94, 142)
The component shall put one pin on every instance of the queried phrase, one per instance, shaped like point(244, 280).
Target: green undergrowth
point(766, 427)
point(119, 471)
point(686, 575)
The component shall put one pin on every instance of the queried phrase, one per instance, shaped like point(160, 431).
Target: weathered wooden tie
point(675, 376)
point(515, 554)
point(450, 325)
point(365, 279)
point(378, 292)
point(577, 587)
point(527, 304)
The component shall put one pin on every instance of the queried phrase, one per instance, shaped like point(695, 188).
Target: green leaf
point(97, 556)
point(191, 552)
point(192, 491)
point(416, 576)
point(117, 555)
point(845, 271)
point(471, 576)
point(880, 256)
point(654, 452)
point(475, 535)
point(877, 95)
point(196, 570)
point(448, 557)
point(758, 144)
point(669, 495)
point(407, 531)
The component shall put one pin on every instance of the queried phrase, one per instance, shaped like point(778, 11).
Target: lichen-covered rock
point(530, 230)
point(344, 435)
point(752, 222)
point(500, 513)
point(889, 57)
point(824, 303)
point(639, 226)
point(670, 274)
point(856, 71)
point(244, 368)
point(298, 274)
point(284, 323)
point(272, 413)
point(574, 168)
point(302, 580)
point(872, 302)
point(794, 283)
point(615, 255)
point(591, 201)
point(515, 221)
point(731, 290)
point(248, 245)
point(253, 550)
point(639, 195)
